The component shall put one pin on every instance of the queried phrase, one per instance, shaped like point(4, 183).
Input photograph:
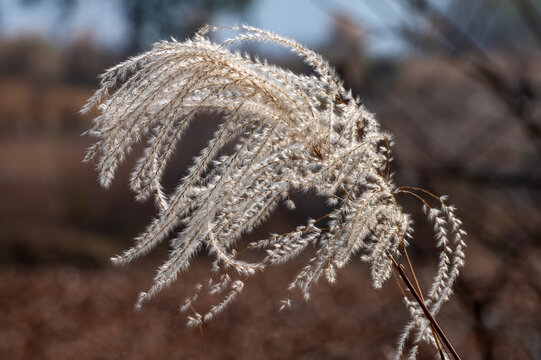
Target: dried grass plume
point(291, 132)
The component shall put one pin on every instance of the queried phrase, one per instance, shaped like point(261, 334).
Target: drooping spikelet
point(292, 132)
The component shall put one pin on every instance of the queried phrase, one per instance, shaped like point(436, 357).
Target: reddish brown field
point(68, 313)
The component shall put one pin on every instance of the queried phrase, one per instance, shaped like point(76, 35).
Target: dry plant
point(291, 133)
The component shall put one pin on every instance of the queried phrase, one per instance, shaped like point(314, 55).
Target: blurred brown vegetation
point(465, 110)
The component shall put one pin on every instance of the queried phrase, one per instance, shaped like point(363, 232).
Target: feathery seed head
point(296, 132)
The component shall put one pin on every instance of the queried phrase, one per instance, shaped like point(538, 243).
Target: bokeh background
point(457, 82)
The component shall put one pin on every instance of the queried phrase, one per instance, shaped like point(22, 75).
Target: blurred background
point(457, 82)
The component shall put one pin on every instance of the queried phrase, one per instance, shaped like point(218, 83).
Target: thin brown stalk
point(418, 288)
point(402, 272)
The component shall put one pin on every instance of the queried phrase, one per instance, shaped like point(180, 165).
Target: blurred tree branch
point(531, 17)
point(149, 21)
point(516, 93)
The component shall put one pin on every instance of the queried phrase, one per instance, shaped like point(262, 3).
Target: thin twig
point(418, 287)
point(441, 334)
